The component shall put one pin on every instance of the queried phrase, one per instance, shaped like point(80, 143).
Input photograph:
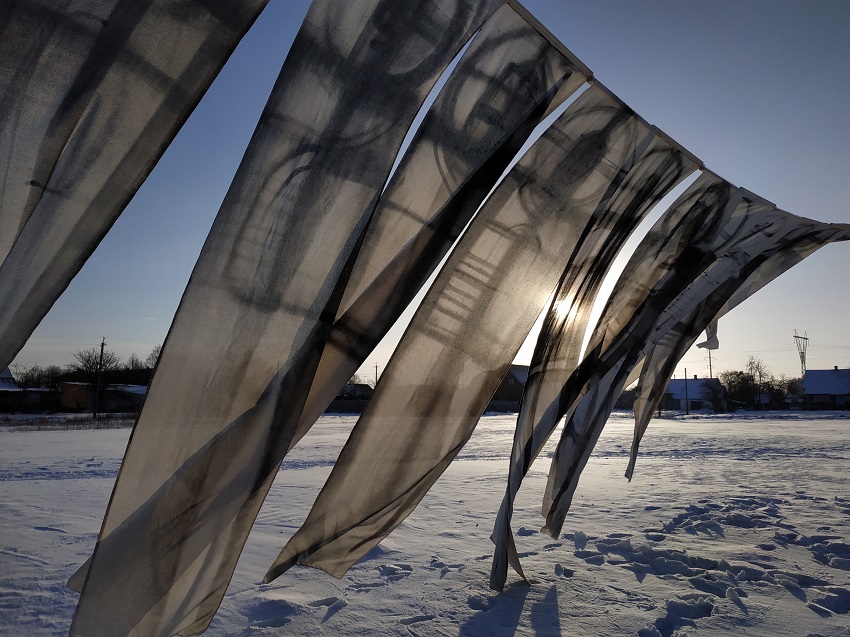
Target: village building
point(508, 394)
point(826, 388)
point(7, 381)
point(694, 394)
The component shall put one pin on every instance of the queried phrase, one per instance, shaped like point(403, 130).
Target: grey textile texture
point(508, 79)
point(782, 241)
point(736, 246)
point(467, 330)
point(240, 357)
point(711, 341)
point(659, 168)
point(91, 94)
point(314, 255)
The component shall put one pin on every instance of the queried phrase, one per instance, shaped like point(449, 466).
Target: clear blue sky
point(759, 90)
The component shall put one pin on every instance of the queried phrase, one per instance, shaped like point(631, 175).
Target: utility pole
point(687, 401)
point(376, 374)
point(99, 371)
point(802, 343)
point(710, 372)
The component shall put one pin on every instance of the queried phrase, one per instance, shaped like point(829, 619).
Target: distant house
point(509, 392)
point(114, 399)
point(351, 399)
point(7, 381)
point(693, 394)
point(14, 398)
point(826, 388)
point(356, 391)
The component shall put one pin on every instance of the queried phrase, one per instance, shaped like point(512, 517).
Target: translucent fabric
point(240, 357)
point(742, 246)
point(672, 255)
point(91, 94)
point(711, 341)
point(782, 241)
point(466, 332)
point(506, 81)
point(660, 167)
point(314, 255)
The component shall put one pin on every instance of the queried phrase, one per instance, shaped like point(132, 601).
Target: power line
point(802, 343)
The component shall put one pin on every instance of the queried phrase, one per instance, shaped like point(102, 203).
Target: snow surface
point(733, 525)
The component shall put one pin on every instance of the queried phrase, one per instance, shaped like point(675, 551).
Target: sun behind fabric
point(525, 178)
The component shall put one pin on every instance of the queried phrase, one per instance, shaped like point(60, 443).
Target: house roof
point(139, 390)
point(520, 372)
point(834, 382)
point(7, 381)
point(676, 387)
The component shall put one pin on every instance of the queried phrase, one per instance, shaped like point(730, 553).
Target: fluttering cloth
point(91, 94)
point(659, 167)
point(468, 328)
point(709, 217)
point(507, 81)
point(711, 341)
point(243, 348)
point(793, 239)
point(744, 245)
point(314, 255)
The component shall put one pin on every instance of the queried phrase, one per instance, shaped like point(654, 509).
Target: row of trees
point(85, 368)
point(755, 385)
point(750, 387)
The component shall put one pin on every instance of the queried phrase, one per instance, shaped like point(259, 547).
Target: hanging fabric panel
point(696, 221)
point(661, 167)
point(506, 81)
point(465, 334)
point(711, 341)
point(781, 241)
point(91, 94)
point(753, 233)
point(240, 356)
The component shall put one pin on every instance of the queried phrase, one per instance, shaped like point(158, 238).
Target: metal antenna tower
point(802, 344)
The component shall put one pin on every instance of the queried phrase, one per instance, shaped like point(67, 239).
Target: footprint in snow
point(366, 586)
point(271, 613)
point(333, 604)
point(395, 572)
point(478, 602)
point(562, 571)
point(679, 614)
point(834, 599)
point(828, 552)
point(445, 569)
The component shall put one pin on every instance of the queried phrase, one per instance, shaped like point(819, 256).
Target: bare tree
point(26, 376)
point(134, 363)
point(31, 376)
point(50, 376)
point(756, 368)
point(87, 362)
point(153, 357)
point(714, 394)
point(740, 386)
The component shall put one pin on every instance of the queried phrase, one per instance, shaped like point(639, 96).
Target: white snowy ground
point(732, 526)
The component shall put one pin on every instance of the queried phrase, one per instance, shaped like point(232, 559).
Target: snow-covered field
point(732, 526)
